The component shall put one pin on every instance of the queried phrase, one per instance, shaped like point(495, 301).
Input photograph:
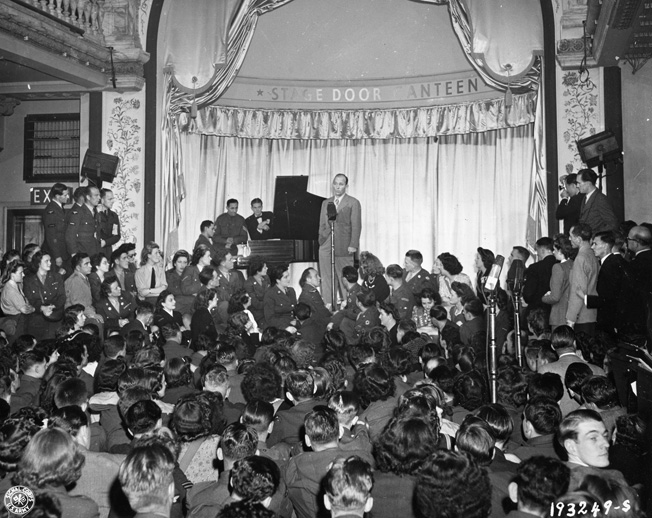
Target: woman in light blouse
point(151, 286)
point(13, 302)
point(449, 270)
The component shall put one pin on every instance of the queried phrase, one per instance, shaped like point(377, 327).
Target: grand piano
point(295, 225)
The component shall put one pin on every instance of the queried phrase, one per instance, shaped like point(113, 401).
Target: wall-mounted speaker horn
point(599, 148)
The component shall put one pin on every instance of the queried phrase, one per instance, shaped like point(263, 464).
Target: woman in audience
point(460, 294)
point(280, 299)
point(150, 277)
point(257, 284)
point(181, 283)
point(484, 260)
point(449, 270)
point(101, 268)
point(15, 434)
point(400, 450)
point(425, 301)
point(377, 392)
point(45, 292)
point(166, 313)
point(52, 462)
point(198, 420)
point(12, 301)
point(240, 302)
point(202, 322)
point(373, 278)
point(557, 297)
point(512, 390)
point(201, 257)
point(178, 380)
point(470, 391)
point(113, 306)
point(9, 257)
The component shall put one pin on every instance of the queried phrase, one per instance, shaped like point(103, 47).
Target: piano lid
point(296, 211)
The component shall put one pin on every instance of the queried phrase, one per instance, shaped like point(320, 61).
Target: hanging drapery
point(495, 33)
point(176, 101)
point(431, 121)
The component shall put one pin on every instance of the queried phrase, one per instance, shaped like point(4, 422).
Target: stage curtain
point(453, 195)
point(431, 121)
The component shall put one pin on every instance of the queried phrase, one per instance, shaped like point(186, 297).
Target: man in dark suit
point(54, 225)
point(537, 276)
point(81, 230)
point(348, 227)
point(259, 224)
point(569, 207)
point(309, 282)
point(206, 233)
point(614, 298)
point(639, 242)
point(108, 222)
point(596, 210)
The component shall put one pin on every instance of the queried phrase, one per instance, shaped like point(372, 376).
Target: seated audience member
point(452, 485)
point(348, 486)
point(548, 385)
point(474, 324)
point(195, 417)
point(165, 311)
point(205, 239)
point(257, 480)
point(377, 392)
point(100, 470)
point(305, 471)
point(309, 282)
point(474, 438)
point(347, 406)
point(32, 366)
point(563, 342)
point(512, 390)
point(599, 394)
point(585, 440)
point(178, 380)
point(425, 300)
point(400, 451)
point(366, 319)
point(449, 333)
point(541, 420)
point(171, 333)
point(461, 293)
point(120, 259)
point(280, 299)
point(228, 280)
point(349, 308)
point(146, 477)
point(99, 271)
point(113, 306)
point(416, 277)
point(372, 273)
point(537, 324)
point(216, 380)
point(78, 288)
point(256, 285)
point(501, 426)
point(389, 318)
point(150, 277)
point(611, 494)
point(630, 453)
point(259, 415)
point(539, 482)
point(308, 327)
point(401, 296)
point(207, 498)
point(575, 376)
point(202, 322)
point(15, 432)
point(52, 461)
point(299, 387)
point(142, 322)
point(181, 283)
point(263, 382)
point(470, 393)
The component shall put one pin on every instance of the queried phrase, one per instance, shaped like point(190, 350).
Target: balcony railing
point(80, 16)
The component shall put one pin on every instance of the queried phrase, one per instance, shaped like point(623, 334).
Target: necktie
point(337, 202)
point(152, 283)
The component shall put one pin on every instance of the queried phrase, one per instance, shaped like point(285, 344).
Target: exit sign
point(41, 195)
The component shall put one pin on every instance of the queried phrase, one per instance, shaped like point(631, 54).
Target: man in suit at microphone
point(348, 226)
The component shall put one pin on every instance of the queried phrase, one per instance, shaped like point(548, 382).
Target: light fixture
point(508, 93)
point(193, 106)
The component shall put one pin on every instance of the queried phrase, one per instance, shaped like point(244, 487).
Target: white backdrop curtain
point(455, 195)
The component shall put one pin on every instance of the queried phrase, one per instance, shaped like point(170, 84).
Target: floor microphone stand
point(493, 353)
point(333, 301)
point(517, 327)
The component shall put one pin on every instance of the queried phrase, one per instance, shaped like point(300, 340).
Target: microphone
point(331, 210)
point(513, 275)
point(494, 273)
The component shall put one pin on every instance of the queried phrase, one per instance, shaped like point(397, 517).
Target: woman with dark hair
point(389, 320)
point(113, 306)
point(557, 297)
point(28, 252)
point(15, 434)
point(377, 392)
point(9, 257)
point(449, 270)
point(400, 450)
point(51, 462)
point(373, 279)
point(256, 285)
point(512, 390)
point(470, 392)
point(166, 313)
point(280, 299)
point(45, 291)
point(425, 301)
point(101, 268)
point(202, 322)
point(240, 302)
point(201, 257)
point(459, 295)
point(178, 380)
point(198, 421)
point(12, 301)
point(181, 283)
point(484, 260)
point(150, 277)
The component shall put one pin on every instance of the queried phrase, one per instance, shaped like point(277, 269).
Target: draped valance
point(433, 121)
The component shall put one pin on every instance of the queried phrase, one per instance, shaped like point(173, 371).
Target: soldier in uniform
point(415, 277)
point(401, 296)
point(81, 230)
point(108, 222)
point(54, 222)
point(367, 319)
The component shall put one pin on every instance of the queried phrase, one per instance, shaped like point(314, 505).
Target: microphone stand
point(333, 301)
point(493, 353)
point(517, 324)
